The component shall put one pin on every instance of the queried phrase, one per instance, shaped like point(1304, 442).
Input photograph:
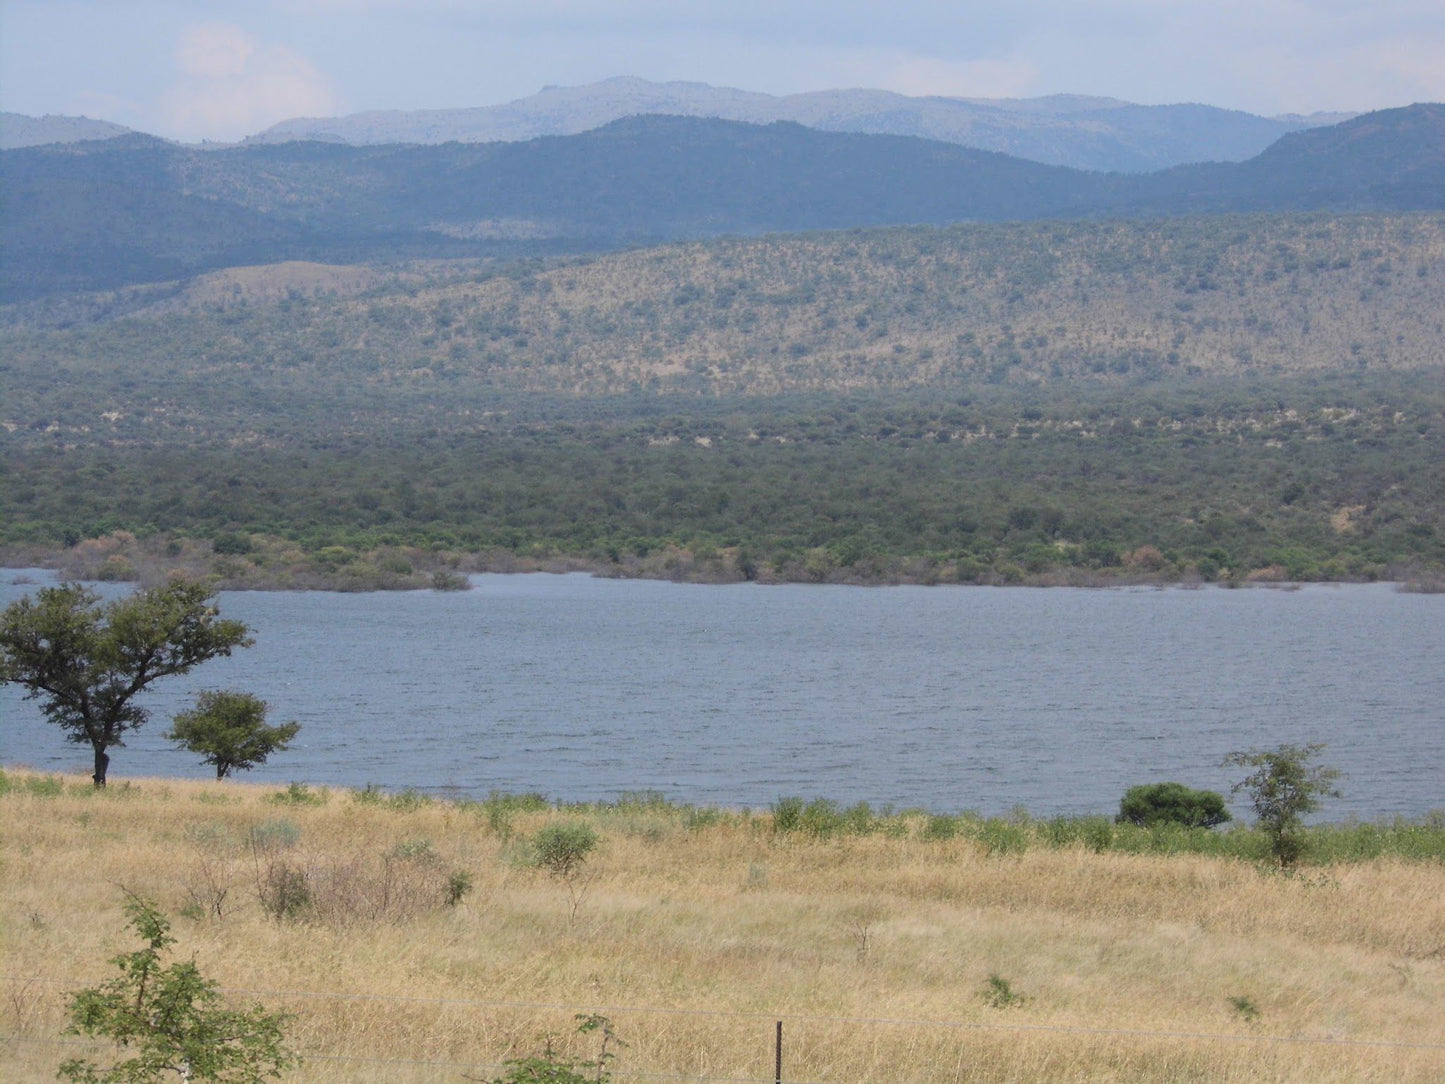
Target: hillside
point(20, 130)
point(1057, 402)
point(1017, 304)
point(134, 209)
point(1064, 130)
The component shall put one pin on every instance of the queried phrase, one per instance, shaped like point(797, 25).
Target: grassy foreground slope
point(694, 931)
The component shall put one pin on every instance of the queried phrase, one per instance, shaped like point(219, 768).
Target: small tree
point(1172, 803)
point(229, 730)
point(171, 1017)
point(1283, 787)
point(562, 850)
point(87, 661)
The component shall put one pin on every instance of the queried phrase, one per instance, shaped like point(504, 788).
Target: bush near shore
point(419, 938)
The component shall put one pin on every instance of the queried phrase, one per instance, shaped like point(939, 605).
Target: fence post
point(778, 1056)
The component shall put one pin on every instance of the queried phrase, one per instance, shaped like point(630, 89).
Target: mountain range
point(1085, 132)
point(1081, 131)
point(135, 209)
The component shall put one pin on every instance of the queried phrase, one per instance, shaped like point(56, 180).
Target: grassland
point(873, 938)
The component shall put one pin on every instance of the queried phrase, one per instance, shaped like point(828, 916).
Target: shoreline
point(268, 564)
point(816, 816)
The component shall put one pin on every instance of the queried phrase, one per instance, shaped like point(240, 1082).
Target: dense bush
point(1172, 803)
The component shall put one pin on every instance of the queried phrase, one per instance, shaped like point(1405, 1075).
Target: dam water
point(948, 698)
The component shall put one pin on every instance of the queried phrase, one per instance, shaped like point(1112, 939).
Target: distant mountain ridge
point(136, 209)
point(18, 130)
point(1084, 132)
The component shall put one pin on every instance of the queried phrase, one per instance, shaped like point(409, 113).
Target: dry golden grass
point(875, 951)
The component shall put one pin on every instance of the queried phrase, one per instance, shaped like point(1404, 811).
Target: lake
point(949, 698)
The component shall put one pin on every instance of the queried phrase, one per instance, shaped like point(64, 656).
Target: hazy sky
point(225, 69)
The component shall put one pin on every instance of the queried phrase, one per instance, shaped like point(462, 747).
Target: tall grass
point(417, 939)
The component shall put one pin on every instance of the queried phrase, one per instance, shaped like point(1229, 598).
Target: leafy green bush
point(562, 848)
point(299, 794)
point(999, 993)
point(171, 1019)
point(1000, 837)
point(1172, 803)
point(787, 815)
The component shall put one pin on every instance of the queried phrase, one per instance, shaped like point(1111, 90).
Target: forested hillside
point(1248, 396)
point(1020, 305)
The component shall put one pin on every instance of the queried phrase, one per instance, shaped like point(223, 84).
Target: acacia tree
point(229, 730)
point(1284, 786)
point(87, 661)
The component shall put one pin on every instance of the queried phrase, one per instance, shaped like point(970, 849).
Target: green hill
point(1065, 402)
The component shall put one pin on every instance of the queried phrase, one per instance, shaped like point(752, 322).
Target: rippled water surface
point(948, 698)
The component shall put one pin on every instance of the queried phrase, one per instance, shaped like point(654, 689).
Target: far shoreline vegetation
point(1234, 400)
point(245, 562)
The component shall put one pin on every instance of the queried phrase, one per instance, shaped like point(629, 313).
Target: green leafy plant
point(1284, 786)
point(999, 993)
point(299, 794)
point(562, 849)
point(228, 729)
point(1246, 1008)
point(1172, 803)
point(459, 883)
point(172, 1019)
point(549, 1068)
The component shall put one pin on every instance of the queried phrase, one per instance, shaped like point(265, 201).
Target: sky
point(222, 70)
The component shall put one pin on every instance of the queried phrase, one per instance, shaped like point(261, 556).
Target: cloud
point(993, 77)
point(229, 84)
point(214, 51)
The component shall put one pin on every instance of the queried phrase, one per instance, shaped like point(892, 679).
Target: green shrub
point(443, 580)
point(274, 835)
point(787, 815)
point(563, 848)
point(284, 891)
point(46, 786)
point(550, 1068)
point(999, 993)
point(1000, 837)
point(299, 794)
point(940, 826)
point(695, 818)
point(171, 1020)
point(1172, 803)
point(459, 883)
point(407, 801)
